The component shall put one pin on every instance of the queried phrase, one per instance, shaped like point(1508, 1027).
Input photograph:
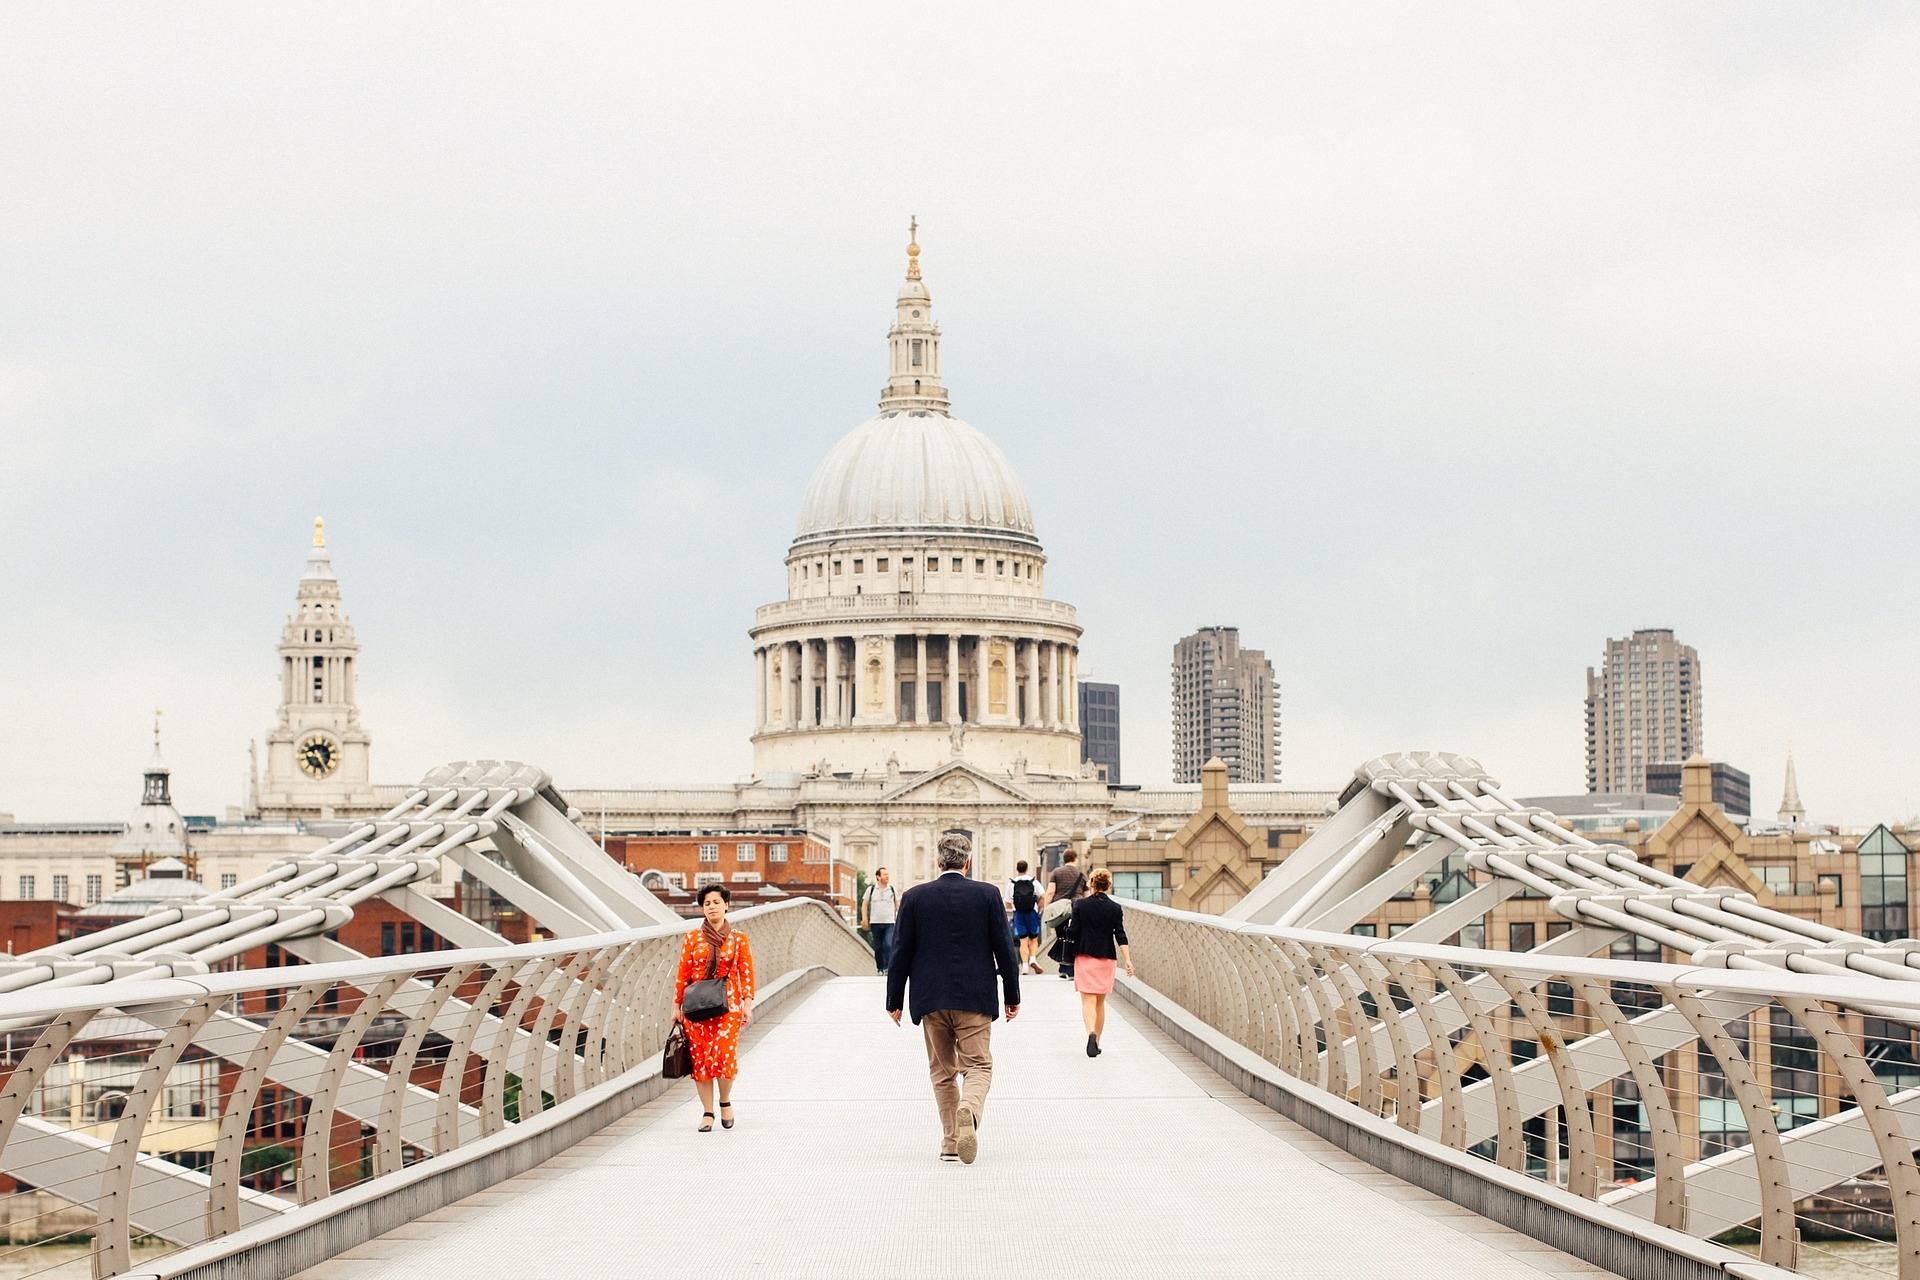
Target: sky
point(1429, 346)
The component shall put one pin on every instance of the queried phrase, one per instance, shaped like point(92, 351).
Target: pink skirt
point(1092, 977)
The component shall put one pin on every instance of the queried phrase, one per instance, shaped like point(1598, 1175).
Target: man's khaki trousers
point(958, 1045)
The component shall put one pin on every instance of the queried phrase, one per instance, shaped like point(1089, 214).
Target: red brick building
point(747, 862)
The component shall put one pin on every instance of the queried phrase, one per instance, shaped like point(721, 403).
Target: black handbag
point(676, 1060)
point(706, 999)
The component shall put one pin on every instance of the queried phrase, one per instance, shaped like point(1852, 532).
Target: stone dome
point(914, 470)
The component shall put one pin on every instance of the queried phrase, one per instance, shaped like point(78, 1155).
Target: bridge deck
point(1139, 1163)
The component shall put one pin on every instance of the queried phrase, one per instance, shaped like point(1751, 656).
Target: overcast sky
point(1429, 346)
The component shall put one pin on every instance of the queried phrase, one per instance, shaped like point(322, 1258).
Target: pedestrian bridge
point(1279, 1096)
point(1141, 1162)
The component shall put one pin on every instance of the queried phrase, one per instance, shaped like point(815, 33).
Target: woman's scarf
point(716, 938)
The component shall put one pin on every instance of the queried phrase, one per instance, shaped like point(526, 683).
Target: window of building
point(1883, 886)
point(836, 566)
point(1140, 886)
point(880, 565)
point(776, 853)
point(709, 853)
point(1796, 1071)
point(957, 562)
point(999, 566)
point(93, 890)
point(26, 886)
point(1835, 883)
point(746, 877)
point(1520, 935)
point(1395, 930)
point(1366, 931)
point(859, 566)
point(706, 878)
point(811, 852)
point(980, 564)
point(933, 564)
point(916, 345)
point(228, 879)
point(744, 853)
point(1778, 877)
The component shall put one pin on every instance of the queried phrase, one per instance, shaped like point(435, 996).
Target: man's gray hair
point(955, 849)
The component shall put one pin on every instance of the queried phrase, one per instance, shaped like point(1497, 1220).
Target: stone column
point(760, 689)
point(809, 682)
point(790, 700)
point(1073, 688)
point(980, 651)
point(834, 701)
point(950, 684)
point(1033, 681)
point(1056, 713)
point(920, 680)
point(890, 672)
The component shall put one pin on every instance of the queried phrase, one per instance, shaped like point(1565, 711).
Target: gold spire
point(913, 248)
point(319, 532)
point(156, 728)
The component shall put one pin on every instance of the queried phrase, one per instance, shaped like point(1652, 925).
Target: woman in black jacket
point(1099, 936)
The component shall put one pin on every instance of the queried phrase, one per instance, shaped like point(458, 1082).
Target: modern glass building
point(1100, 726)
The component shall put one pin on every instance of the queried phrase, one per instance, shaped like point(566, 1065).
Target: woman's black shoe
point(726, 1121)
point(707, 1117)
point(1093, 1046)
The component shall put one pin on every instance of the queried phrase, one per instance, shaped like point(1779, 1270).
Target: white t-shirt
point(882, 903)
point(1037, 891)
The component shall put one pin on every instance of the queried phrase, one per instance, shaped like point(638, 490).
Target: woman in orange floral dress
point(716, 1042)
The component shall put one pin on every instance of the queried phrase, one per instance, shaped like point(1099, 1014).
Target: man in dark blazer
point(949, 940)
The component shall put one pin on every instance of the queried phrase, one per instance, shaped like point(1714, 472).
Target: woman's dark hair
point(720, 889)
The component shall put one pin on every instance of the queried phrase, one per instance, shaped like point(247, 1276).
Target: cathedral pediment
point(956, 782)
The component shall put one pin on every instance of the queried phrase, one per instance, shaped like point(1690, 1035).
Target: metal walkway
point(1139, 1163)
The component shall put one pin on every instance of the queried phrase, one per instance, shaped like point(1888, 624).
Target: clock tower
point(317, 752)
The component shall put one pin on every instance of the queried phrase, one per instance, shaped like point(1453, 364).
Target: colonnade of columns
point(848, 681)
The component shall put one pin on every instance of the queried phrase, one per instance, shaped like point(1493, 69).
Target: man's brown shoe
point(969, 1136)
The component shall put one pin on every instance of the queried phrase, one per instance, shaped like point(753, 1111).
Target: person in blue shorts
point(1023, 895)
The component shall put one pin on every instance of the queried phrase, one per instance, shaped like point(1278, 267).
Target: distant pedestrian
point(1097, 936)
point(716, 950)
point(1023, 896)
point(1066, 885)
point(951, 941)
point(878, 910)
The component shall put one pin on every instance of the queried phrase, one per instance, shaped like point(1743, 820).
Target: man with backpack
point(1023, 895)
point(877, 912)
point(1065, 885)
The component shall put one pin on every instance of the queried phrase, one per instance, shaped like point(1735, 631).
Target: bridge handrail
point(46, 1001)
point(355, 1063)
point(1877, 996)
point(1431, 1036)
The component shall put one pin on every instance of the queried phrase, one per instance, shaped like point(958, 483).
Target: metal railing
point(175, 1111)
point(1708, 1100)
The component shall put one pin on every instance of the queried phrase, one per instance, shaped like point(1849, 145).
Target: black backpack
point(1025, 896)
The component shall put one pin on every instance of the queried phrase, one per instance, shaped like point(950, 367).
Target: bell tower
point(913, 343)
point(317, 764)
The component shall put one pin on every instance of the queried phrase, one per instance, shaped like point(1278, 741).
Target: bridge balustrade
point(1704, 1099)
point(144, 1117)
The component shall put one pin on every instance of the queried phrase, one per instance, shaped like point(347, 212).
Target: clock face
point(318, 755)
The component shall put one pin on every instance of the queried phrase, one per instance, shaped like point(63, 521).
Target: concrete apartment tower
point(1226, 704)
point(1643, 708)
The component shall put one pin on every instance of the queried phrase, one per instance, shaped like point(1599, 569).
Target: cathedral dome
point(915, 470)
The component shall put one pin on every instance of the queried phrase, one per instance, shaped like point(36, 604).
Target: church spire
point(157, 789)
point(1792, 812)
point(913, 343)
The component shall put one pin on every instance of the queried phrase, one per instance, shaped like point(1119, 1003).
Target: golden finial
point(319, 532)
point(913, 248)
point(156, 728)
